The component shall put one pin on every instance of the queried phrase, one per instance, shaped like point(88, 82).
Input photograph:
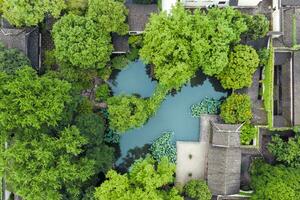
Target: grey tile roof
point(224, 159)
point(296, 88)
point(138, 15)
point(227, 135)
point(290, 2)
point(120, 43)
point(26, 40)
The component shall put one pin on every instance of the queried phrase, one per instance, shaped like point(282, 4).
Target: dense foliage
point(164, 147)
point(258, 26)
point(109, 15)
point(31, 101)
point(103, 92)
point(126, 112)
point(45, 164)
point(80, 42)
point(274, 182)
point(206, 106)
point(180, 43)
point(77, 6)
point(287, 152)
point(144, 181)
point(30, 12)
point(198, 190)
point(236, 109)
point(243, 62)
point(248, 133)
point(11, 60)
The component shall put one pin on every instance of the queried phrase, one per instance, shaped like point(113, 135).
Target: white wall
point(167, 5)
point(248, 2)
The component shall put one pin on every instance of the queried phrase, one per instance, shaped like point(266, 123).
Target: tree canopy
point(180, 43)
point(274, 182)
point(243, 62)
point(287, 152)
point(47, 164)
point(30, 12)
point(81, 43)
point(197, 189)
point(258, 26)
point(144, 181)
point(11, 60)
point(31, 101)
point(236, 109)
point(126, 112)
point(109, 15)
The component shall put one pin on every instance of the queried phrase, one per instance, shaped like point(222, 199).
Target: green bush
point(111, 137)
point(236, 109)
point(127, 112)
point(243, 62)
point(248, 133)
point(258, 26)
point(119, 62)
point(135, 41)
point(105, 73)
point(198, 190)
point(206, 106)
point(163, 147)
point(103, 92)
point(133, 54)
point(77, 6)
point(268, 86)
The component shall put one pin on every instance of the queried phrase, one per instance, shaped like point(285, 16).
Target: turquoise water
point(174, 113)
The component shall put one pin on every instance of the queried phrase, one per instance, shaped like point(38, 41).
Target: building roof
point(290, 2)
point(224, 159)
point(120, 44)
point(224, 170)
point(26, 40)
point(296, 88)
point(226, 135)
point(138, 15)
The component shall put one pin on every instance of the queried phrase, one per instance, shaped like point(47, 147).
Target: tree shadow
point(199, 79)
point(133, 155)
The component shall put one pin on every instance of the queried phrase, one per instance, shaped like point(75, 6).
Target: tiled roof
point(290, 2)
point(120, 43)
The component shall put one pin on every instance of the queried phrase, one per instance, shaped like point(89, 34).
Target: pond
point(173, 115)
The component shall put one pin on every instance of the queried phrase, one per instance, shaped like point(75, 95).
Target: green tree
point(11, 60)
point(258, 26)
point(286, 152)
point(103, 92)
point(30, 12)
point(110, 15)
point(127, 112)
point(31, 101)
point(248, 133)
point(213, 35)
point(197, 189)
point(77, 6)
point(243, 62)
point(81, 43)
point(274, 182)
point(144, 181)
point(236, 109)
point(167, 45)
point(46, 165)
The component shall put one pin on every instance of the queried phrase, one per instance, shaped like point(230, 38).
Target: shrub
point(243, 62)
point(105, 73)
point(103, 92)
point(135, 41)
point(236, 109)
point(287, 152)
point(11, 60)
point(197, 189)
point(133, 54)
point(258, 26)
point(127, 112)
point(163, 147)
point(206, 106)
point(77, 6)
point(119, 62)
point(248, 133)
point(111, 137)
